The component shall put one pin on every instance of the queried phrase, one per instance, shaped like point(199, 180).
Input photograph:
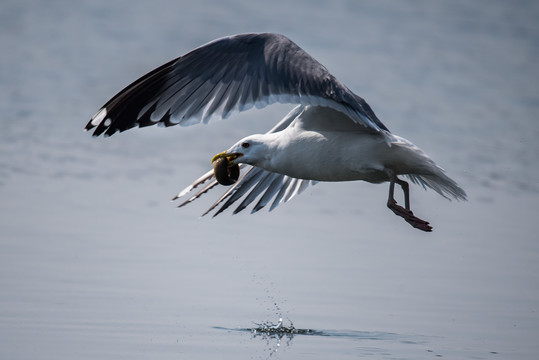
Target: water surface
point(96, 263)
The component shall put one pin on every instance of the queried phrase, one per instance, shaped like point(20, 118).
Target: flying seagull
point(331, 135)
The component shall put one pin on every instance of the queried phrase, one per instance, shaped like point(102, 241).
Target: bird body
point(331, 135)
point(341, 149)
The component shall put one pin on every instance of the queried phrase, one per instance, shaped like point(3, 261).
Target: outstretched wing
point(232, 73)
point(253, 183)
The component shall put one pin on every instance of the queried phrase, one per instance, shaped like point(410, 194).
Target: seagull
point(331, 135)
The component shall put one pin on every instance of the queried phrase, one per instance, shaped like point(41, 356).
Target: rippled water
point(278, 337)
point(95, 261)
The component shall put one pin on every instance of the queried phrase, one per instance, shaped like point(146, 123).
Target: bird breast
point(330, 156)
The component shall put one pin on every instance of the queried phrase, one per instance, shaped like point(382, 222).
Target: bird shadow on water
point(280, 335)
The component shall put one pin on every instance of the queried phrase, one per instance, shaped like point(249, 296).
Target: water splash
point(271, 329)
point(271, 332)
point(280, 335)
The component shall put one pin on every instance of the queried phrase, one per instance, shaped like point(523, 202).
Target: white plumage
point(332, 135)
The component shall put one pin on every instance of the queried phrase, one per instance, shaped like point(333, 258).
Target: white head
point(252, 150)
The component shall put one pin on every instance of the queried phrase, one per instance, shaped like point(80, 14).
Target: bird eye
point(245, 145)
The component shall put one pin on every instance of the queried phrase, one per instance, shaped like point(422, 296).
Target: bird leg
point(405, 212)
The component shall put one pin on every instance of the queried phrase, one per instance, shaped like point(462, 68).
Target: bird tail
point(439, 182)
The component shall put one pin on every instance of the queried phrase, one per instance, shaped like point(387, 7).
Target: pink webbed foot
point(409, 216)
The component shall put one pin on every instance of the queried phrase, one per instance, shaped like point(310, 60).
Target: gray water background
point(96, 263)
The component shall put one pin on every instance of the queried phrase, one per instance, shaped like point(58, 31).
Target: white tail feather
point(441, 183)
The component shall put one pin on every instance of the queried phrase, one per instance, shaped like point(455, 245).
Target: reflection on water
point(273, 333)
point(280, 336)
point(277, 335)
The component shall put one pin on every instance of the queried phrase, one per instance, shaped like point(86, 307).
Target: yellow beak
point(229, 156)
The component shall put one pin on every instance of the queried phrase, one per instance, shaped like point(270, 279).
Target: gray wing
point(232, 73)
point(255, 182)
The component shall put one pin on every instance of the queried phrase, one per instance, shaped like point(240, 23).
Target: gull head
point(251, 150)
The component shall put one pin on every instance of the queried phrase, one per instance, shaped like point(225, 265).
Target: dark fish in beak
point(225, 173)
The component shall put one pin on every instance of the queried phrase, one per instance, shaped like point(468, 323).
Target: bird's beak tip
point(218, 156)
point(229, 156)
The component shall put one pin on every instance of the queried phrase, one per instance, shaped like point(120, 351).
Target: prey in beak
point(225, 171)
